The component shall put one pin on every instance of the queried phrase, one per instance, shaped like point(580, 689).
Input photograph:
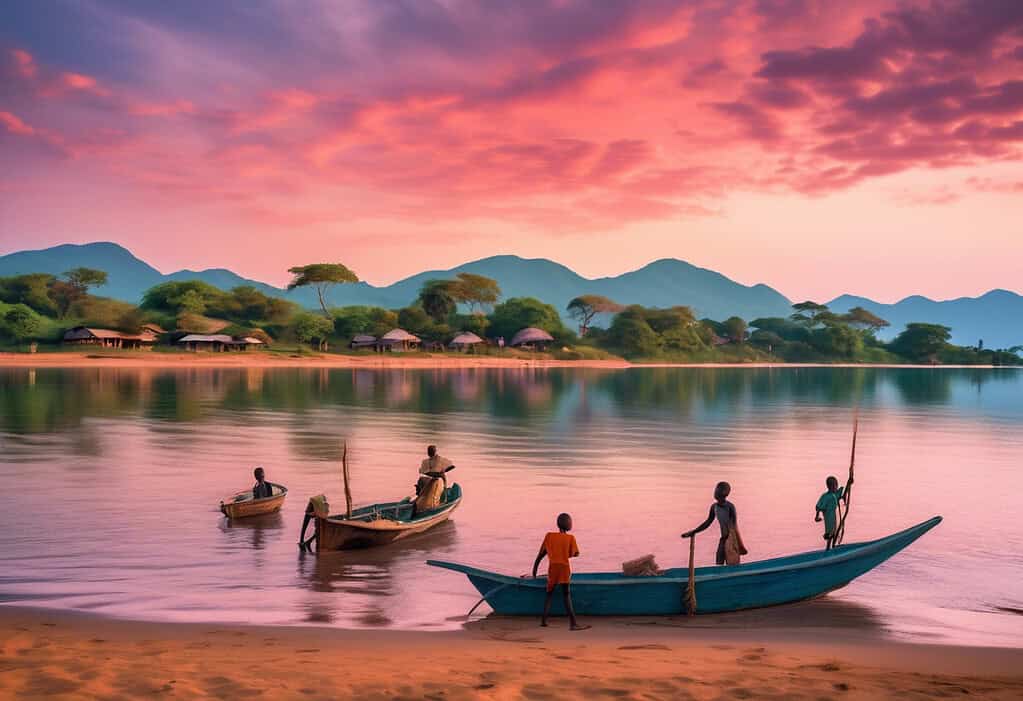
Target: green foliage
point(477, 291)
point(735, 329)
point(631, 334)
point(312, 328)
point(74, 288)
point(32, 290)
point(105, 313)
point(19, 322)
point(837, 341)
point(861, 318)
point(520, 312)
point(243, 304)
point(921, 342)
point(353, 320)
point(321, 277)
point(476, 323)
point(439, 299)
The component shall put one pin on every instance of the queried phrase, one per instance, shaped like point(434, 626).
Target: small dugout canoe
point(242, 505)
point(380, 524)
point(781, 580)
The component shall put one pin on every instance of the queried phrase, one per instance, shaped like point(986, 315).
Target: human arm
point(702, 527)
point(539, 556)
point(573, 550)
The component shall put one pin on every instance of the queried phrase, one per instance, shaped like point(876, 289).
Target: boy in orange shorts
point(558, 548)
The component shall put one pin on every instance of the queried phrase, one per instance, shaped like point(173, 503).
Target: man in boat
point(827, 506)
point(730, 547)
point(558, 548)
point(263, 489)
point(433, 463)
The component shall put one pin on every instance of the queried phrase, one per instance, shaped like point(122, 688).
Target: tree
point(321, 277)
point(184, 296)
point(632, 336)
point(921, 342)
point(353, 320)
point(518, 313)
point(439, 299)
point(20, 323)
point(477, 291)
point(310, 328)
point(75, 286)
point(32, 290)
point(861, 318)
point(811, 314)
point(585, 307)
point(837, 340)
point(735, 329)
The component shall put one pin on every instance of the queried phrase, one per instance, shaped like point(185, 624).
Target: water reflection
point(52, 400)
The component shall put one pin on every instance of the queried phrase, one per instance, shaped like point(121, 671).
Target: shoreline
point(424, 361)
point(72, 654)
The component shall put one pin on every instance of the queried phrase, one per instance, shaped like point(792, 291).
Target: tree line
point(40, 306)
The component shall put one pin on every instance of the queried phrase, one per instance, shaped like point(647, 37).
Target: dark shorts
point(721, 551)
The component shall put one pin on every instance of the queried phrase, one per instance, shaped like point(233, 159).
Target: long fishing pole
point(847, 494)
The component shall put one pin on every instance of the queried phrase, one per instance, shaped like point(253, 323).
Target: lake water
point(111, 480)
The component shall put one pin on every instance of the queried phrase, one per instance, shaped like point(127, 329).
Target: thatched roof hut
point(108, 338)
point(363, 340)
point(399, 339)
point(532, 337)
point(217, 342)
point(465, 339)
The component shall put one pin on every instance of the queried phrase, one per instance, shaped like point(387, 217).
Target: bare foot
point(580, 627)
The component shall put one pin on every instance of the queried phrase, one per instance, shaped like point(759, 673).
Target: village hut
point(108, 338)
point(217, 343)
point(361, 341)
point(154, 329)
point(399, 340)
point(532, 339)
point(465, 340)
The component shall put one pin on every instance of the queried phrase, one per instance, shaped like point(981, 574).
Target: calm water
point(111, 480)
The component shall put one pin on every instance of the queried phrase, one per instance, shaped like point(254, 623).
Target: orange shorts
point(558, 574)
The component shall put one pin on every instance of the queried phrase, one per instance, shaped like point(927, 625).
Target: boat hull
point(254, 507)
point(718, 589)
point(381, 524)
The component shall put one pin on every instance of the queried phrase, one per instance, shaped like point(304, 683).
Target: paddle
point(847, 494)
point(690, 600)
point(344, 475)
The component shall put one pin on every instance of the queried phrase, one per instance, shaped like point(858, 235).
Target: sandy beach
point(62, 655)
point(406, 361)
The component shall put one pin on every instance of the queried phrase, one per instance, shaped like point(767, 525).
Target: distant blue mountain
point(994, 317)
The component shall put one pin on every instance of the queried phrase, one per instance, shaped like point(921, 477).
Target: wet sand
point(401, 361)
point(62, 655)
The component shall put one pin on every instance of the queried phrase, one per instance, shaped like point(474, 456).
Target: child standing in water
point(827, 506)
point(723, 511)
point(559, 548)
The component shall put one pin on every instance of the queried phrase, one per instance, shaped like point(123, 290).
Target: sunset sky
point(815, 147)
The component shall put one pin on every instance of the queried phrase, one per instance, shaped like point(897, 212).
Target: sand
point(417, 360)
point(69, 655)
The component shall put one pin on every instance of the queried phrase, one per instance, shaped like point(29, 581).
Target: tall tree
point(585, 307)
point(735, 328)
point(477, 291)
point(75, 286)
point(811, 314)
point(321, 277)
point(439, 298)
point(921, 342)
point(310, 328)
point(861, 318)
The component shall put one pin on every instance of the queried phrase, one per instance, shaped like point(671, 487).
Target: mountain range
point(994, 317)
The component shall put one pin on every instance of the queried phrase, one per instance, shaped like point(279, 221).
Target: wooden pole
point(344, 475)
point(690, 601)
point(847, 494)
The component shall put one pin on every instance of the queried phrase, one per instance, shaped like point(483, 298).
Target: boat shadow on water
point(364, 583)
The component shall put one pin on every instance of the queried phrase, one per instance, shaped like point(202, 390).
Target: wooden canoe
point(380, 524)
point(781, 580)
point(242, 505)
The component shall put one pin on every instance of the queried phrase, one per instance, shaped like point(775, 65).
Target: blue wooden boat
point(381, 524)
point(781, 580)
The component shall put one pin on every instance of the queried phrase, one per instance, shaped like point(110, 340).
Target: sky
point(820, 147)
